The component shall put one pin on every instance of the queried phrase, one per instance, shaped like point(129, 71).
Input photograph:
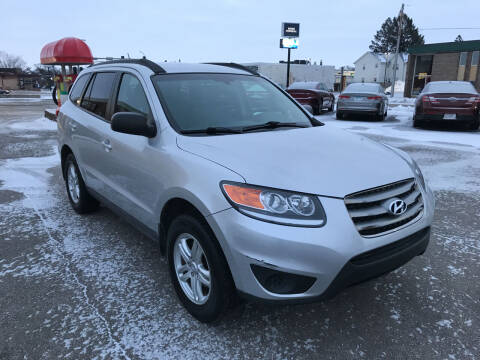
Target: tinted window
point(131, 97)
point(363, 87)
point(98, 92)
point(450, 87)
point(199, 101)
point(77, 89)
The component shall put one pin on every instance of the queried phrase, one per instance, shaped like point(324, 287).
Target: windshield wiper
point(213, 131)
point(273, 125)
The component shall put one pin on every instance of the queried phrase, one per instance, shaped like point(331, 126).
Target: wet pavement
point(86, 287)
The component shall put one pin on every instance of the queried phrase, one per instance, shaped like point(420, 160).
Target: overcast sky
point(336, 31)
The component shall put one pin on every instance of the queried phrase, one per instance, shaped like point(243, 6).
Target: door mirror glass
point(132, 123)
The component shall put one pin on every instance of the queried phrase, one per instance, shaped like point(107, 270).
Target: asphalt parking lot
point(87, 287)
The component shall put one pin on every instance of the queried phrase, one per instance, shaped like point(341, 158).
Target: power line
point(452, 28)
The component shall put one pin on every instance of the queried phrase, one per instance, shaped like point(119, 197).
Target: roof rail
point(235, 66)
point(157, 69)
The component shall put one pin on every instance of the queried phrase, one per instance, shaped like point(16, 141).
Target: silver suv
point(246, 193)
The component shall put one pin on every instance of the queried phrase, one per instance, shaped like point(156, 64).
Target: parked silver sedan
point(363, 98)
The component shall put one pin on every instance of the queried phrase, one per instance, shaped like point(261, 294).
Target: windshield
point(206, 100)
point(458, 87)
point(362, 87)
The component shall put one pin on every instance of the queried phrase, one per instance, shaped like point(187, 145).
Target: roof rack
point(157, 69)
point(235, 66)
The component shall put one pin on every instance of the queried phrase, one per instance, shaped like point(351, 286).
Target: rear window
point(98, 93)
point(363, 87)
point(77, 90)
point(304, 85)
point(458, 87)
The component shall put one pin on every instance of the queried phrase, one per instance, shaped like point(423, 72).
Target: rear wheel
point(475, 124)
point(339, 115)
point(81, 201)
point(198, 269)
point(380, 117)
point(416, 123)
point(319, 107)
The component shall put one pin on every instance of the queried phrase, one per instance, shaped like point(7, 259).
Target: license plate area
point(449, 116)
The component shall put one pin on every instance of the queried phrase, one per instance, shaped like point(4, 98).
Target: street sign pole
point(288, 68)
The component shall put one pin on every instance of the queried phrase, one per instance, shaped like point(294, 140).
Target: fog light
point(280, 282)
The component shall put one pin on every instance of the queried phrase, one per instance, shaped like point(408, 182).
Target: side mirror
point(388, 93)
point(132, 123)
point(308, 108)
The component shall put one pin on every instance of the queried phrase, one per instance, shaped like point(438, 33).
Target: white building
point(373, 67)
point(298, 72)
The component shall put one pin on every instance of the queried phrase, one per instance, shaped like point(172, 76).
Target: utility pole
point(341, 79)
point(400, 24)
point(288, 68)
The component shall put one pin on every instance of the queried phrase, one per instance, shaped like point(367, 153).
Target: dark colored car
point(313, 93)
point(456, 101)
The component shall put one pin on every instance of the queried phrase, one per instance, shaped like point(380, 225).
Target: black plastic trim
point(157, 69)
point(234, 66)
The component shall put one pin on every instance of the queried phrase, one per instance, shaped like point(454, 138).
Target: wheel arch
point(63, 156)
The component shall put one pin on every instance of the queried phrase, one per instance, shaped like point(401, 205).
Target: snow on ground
point(40, 124)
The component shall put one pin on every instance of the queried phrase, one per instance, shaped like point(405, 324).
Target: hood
point(320, 160)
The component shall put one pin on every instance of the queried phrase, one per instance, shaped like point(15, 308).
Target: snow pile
point(41, 124)
point(399, 87)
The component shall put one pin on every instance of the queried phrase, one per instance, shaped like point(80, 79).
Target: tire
point(380, 117)
point(417, 123)
point(475, 124)
point(339, 115)
point(318, 109)
point(54, 95)
point(82, 202)
point(208, 303)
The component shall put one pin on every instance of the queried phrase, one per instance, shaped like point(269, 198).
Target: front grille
point(369, 208)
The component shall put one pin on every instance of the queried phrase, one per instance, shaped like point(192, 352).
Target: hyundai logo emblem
point(397, 207)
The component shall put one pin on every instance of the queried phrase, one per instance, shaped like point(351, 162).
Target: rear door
point(91, 131)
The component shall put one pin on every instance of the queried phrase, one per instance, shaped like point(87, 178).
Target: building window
point(461, 66)
point(474, 66)
point(475, 58)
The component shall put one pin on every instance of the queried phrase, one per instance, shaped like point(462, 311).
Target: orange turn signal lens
point(244, 196)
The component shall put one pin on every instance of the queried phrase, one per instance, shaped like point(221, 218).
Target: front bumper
point(460, 117)
point(334, 255)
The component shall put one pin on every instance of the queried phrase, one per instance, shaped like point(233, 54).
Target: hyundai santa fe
point(245, 192)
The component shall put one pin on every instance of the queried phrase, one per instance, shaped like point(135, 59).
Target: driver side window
point(131, 97)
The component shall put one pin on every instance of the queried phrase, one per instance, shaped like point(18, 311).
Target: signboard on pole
point(290, 30)
point(289, 43)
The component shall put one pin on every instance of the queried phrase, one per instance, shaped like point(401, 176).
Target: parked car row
point(246, 193)
point(454, 101)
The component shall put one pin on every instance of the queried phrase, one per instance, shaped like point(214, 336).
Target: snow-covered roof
point(381, 57)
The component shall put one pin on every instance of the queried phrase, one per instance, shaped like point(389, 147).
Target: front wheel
point(198, 269)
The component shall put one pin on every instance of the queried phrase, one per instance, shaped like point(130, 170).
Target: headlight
point(276, 206)
point(418, 173)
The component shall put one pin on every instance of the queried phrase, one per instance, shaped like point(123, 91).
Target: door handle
point(73, 126)
point(106, 145)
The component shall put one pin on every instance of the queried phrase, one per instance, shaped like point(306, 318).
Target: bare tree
point(11, 61)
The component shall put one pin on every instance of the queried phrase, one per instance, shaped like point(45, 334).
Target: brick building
point(442, 61)
point(15, 79)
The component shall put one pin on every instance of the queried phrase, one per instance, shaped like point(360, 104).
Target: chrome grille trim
point(368, 211)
